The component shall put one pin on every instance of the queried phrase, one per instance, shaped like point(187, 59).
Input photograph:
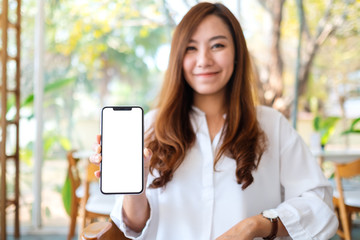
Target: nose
point(204, 58)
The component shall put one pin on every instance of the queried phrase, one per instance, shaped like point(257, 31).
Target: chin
point(207, 92)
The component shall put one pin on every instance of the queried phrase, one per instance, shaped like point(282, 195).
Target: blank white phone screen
point(122, 150)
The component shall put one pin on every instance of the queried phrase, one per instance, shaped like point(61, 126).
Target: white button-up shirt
point(200, 203)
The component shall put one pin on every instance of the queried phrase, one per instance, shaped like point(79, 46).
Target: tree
point(334, 15)
point(327, 26)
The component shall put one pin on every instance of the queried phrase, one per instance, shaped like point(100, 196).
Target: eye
point(190, 48)
point(218, 45)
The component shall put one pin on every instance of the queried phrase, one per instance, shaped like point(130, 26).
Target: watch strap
point(274, 229)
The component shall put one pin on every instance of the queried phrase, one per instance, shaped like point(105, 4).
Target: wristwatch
point(273, 217)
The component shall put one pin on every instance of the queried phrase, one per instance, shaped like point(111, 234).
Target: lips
point(206, 74)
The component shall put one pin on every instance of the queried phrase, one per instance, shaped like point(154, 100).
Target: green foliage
point(50, 87)
point(354, 128)
point(90, 47)
point(325, 126)
point(52, 139)
point(26, 153)
point(66, 195)
point(86, 32)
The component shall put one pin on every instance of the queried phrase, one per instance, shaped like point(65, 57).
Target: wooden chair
point(75, 183)
point(346, 196)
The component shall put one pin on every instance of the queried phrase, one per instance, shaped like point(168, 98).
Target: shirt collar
point(197, 111)
point(200, 113)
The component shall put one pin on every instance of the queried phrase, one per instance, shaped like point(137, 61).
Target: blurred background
point(102, 52)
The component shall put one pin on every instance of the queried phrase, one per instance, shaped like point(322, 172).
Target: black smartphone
point(122, 144)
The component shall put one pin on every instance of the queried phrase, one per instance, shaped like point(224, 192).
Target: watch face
point(271, 213)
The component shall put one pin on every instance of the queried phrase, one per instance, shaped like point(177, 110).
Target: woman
point(217, 166)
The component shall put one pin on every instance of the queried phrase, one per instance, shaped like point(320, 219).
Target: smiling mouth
point(209, 74)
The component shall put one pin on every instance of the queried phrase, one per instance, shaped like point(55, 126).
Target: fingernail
point(146, 152)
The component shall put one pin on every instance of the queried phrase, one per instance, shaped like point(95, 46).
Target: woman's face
point(209, 59)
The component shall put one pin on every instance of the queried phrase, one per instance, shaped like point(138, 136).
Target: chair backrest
point(73, 171)
point(349, 170)
point(346, 170)
point(89, 177)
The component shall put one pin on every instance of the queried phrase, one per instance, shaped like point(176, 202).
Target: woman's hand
point(248, 229)
point(252, 227)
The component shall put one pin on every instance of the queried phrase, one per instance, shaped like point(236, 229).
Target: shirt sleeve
point(117, 217)
point(307, 210)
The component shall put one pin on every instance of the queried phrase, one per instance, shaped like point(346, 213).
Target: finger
point(95, 158)
point(97, 148)
point(147, 154)
point(97, 173)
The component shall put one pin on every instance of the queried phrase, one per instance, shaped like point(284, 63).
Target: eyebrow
point(211, 39)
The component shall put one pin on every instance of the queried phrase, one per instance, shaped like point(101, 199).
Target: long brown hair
point(171, 134)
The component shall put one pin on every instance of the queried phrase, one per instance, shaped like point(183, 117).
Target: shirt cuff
point(117, 217)
point(310, 216)
point(291, 222)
